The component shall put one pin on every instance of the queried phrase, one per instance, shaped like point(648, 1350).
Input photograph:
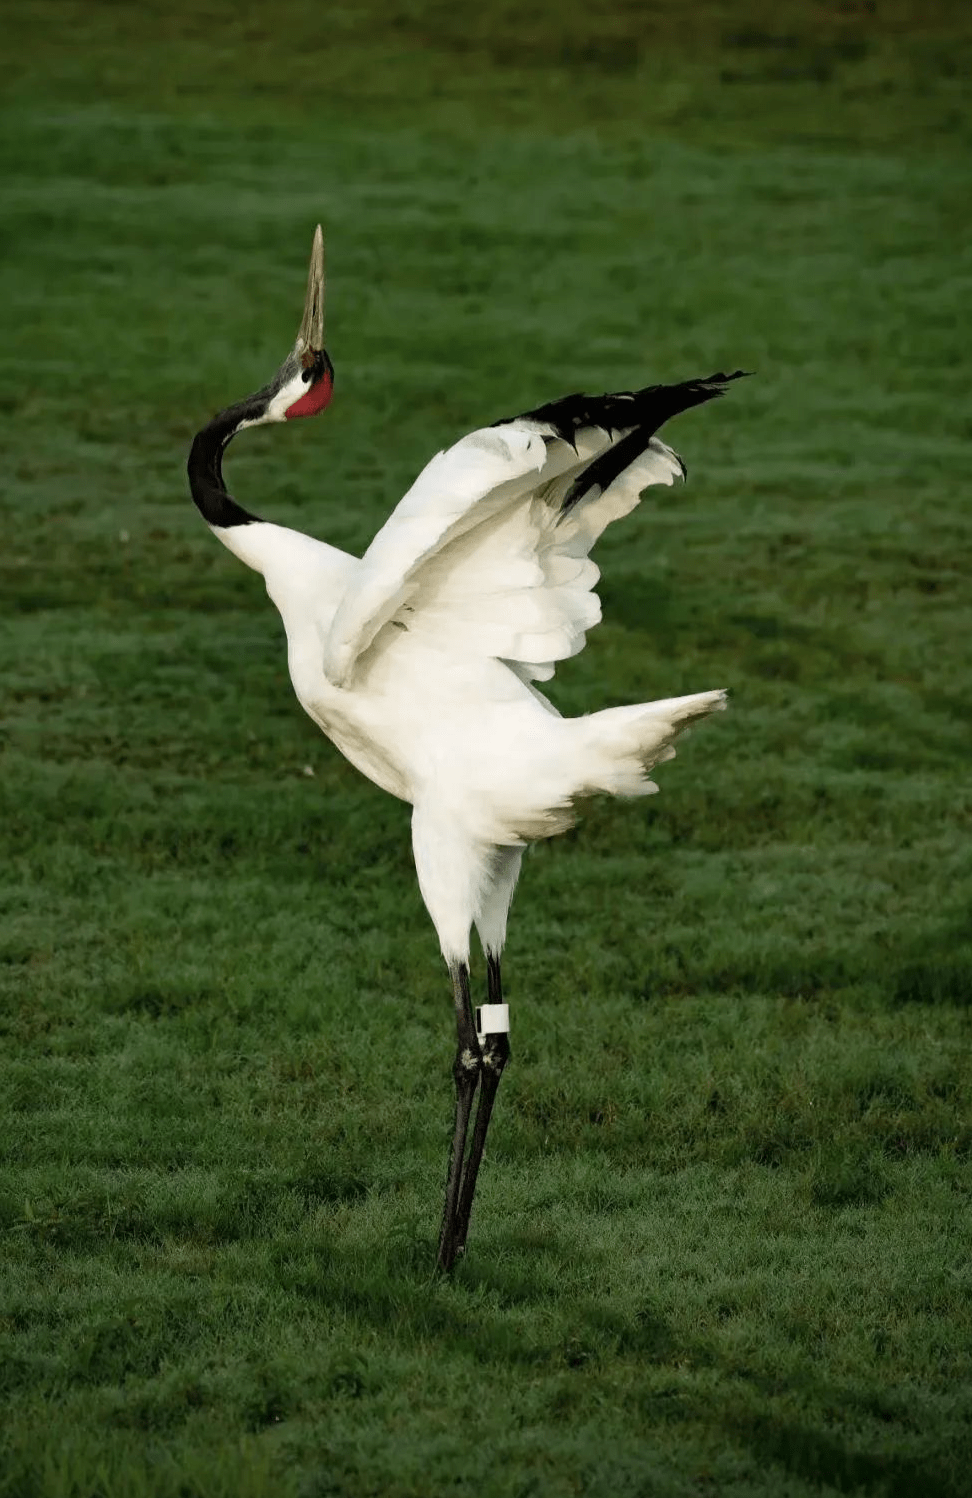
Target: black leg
point(496, 1053)
point(466, 1070)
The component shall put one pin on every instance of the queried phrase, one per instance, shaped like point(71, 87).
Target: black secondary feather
point(637, 413)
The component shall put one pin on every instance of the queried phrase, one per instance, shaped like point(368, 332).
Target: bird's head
point(304, 383)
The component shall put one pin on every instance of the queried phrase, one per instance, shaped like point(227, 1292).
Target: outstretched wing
point(488, 552)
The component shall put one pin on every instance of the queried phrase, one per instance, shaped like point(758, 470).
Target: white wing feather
point(479, 556)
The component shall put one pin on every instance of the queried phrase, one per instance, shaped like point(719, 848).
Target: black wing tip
point(706, 388)
point(726, 379)
point(620, 410)
point(651, 408)
point(713, 387)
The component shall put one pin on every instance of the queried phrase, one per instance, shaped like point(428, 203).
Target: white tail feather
point(621, 744)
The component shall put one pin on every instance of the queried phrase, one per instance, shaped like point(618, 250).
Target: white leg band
point(492, 1019)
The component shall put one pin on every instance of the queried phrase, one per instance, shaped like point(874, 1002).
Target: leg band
point(492, 1019)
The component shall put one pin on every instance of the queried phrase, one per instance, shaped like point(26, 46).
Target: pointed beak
point(310, 338)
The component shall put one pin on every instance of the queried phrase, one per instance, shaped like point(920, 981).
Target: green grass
point(721, 1242)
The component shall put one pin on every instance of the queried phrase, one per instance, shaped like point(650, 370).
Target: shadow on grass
point(821, 1458)
point(502, 1314)
point(201, 1216)
point(348, 1304)
point(934, 969)
point(940, 970)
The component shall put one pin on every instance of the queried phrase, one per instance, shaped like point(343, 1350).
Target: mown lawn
point(722, 1239)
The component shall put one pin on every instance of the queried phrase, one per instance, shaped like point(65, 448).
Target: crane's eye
point(306, 375)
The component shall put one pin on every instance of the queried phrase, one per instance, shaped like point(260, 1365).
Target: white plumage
point(419, 660)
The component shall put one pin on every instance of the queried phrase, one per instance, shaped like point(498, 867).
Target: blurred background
point(719, 1242)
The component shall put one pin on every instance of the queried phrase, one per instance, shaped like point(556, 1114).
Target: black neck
point(205, 464)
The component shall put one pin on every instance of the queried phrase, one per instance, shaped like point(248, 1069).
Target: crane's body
point(419, 660)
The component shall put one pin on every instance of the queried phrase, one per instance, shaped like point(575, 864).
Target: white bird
point(419, 659)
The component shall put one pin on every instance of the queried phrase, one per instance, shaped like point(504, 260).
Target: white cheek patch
point(285, 398)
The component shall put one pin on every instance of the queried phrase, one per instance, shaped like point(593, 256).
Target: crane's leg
point(466, 1070)
point(495, 1053)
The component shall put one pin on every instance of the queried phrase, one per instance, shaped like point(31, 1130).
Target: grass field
point(722, 1239)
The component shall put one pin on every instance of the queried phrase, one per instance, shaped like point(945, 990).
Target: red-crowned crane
point(419, 660)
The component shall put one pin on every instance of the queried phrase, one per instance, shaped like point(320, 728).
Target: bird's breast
point(420, 722)
point(365, 737)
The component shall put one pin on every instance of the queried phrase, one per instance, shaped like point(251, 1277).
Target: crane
point(419, 660)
